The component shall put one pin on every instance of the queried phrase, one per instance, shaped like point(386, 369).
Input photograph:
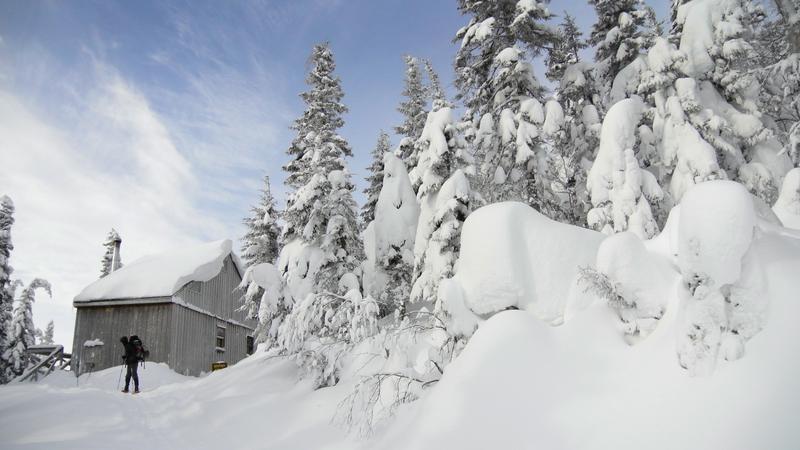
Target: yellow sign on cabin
point(218, 365)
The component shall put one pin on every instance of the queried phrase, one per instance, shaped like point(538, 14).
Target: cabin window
point(250, 345)
point(220, 338)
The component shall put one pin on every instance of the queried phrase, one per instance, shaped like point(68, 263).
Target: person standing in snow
point(132, 361)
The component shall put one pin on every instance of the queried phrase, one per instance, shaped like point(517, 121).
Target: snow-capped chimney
point(116, 260)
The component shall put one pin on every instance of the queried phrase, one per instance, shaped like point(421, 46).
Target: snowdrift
point(513, 256)
point(523, 384)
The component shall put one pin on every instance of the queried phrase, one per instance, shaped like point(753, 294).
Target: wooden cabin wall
point(194, 341)
point(150, 322)
point(218, 295)
point(194, 333)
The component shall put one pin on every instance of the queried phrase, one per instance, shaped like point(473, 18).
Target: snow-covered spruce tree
point(7, 287)
point(111, 259)
point(259, 245)
point(260, 241)
point(321, 243)
point(621, 192)
point(435, 91)
point(413, 109)
point(790, 12)
point(776, 64)
point(389, 240)
point(565, 50)
point(445, 200)
point(624, 30)
point(705, 120)
point(375, 178)
point(502, 96)
point(676, 28)
point(573, 144)
point(266, 299)
point(22, 331)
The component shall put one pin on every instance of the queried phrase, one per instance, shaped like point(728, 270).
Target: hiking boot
point(136, 391)
point(125, 391)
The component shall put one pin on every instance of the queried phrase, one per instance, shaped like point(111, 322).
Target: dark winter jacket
point(130, 352)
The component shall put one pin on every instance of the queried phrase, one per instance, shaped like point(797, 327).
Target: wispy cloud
point(113, 163)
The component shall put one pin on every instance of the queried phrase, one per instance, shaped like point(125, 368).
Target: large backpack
point(138, 348)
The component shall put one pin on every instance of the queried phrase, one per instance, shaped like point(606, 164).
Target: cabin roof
point(161, 275)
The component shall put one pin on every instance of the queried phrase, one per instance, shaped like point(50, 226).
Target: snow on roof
point(163, 274)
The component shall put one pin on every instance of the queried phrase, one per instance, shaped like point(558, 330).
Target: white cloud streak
point(119, 168)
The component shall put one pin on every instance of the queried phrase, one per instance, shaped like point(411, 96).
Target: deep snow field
point(526, 380)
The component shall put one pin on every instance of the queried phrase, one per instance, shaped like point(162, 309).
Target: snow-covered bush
point(723, 305)
point(632, 281)
point(321, 329)
point(393, 368)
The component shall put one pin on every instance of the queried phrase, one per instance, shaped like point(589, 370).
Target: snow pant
point(132, 372)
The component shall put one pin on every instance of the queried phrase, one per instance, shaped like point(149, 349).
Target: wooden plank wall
point(194, 333)
point(218, 295)
point(194, 342)
point(108, 323)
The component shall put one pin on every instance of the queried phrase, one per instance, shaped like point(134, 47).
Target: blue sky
point(160, 118)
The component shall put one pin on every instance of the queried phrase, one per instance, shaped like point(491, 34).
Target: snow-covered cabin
point(183, 304)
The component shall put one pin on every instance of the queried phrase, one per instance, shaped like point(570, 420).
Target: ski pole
point(119, 378)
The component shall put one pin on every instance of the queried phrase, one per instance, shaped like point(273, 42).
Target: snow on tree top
point(163, 274)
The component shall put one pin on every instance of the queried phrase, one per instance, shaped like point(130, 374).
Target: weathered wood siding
point(217, 296)
point(108, 323)
point(199, 308)
point(194, 341)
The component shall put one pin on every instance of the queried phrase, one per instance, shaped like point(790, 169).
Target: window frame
point(250, 344)
point(220, 334)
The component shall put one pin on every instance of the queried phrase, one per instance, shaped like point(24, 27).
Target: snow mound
point(522, 384)
point(716, 228)
point(513, 256)
point(161, 275)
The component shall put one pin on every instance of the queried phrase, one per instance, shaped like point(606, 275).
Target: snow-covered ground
point(575, 386)
point(256, 404)
point(527, 379)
